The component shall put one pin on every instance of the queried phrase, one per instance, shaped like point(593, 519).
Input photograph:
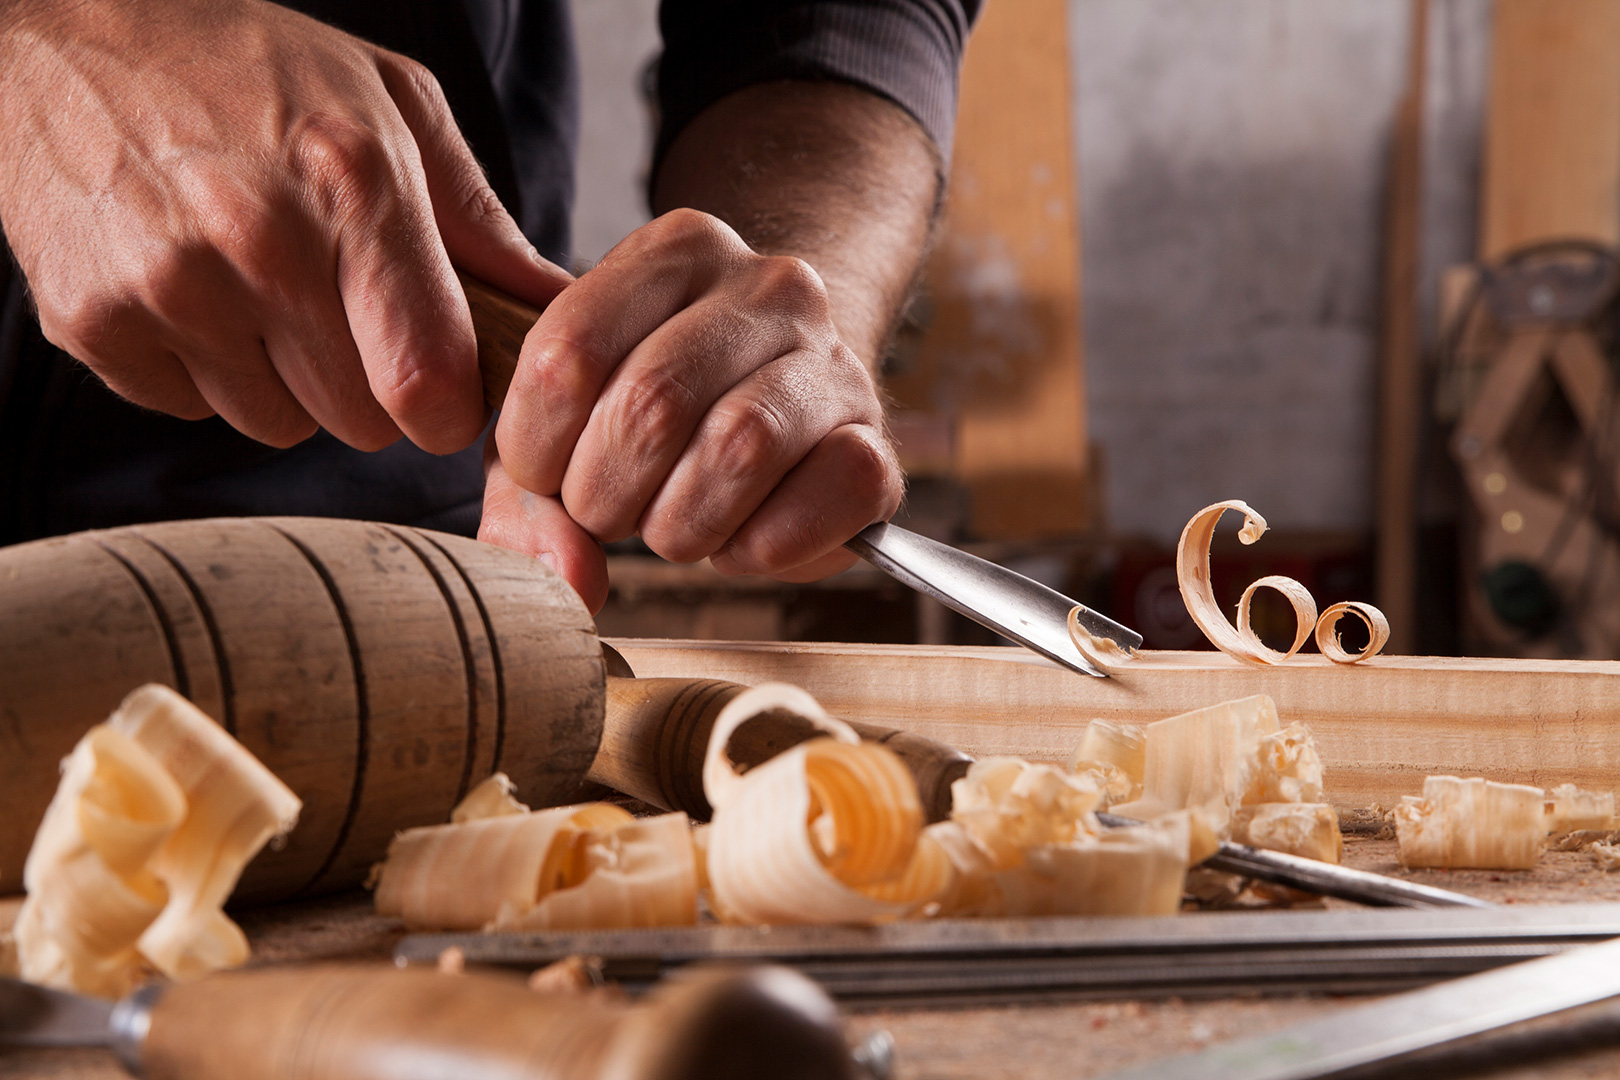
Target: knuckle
point(561, 373)
point(685, 230)
point(650, 406)
point(871, 476)
point(747, 436)
point(346, 162)
point(412, 388)
point(791, 280)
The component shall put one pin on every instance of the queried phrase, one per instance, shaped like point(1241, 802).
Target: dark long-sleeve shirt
point(75, 456)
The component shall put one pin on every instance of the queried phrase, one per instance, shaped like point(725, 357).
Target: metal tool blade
point(36, 1016)
point(1009, 603)
point(973, 961)
point(1395, 1027)
point(1324, 879)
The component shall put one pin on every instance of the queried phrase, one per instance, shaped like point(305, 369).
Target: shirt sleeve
point(909, 51)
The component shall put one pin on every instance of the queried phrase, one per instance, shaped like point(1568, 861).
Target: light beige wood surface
point(1552, 140)
point(1382, 726)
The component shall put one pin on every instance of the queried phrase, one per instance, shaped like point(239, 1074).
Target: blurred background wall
point(1162, 282)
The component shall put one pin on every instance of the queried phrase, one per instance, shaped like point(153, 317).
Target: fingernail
point(548, 558)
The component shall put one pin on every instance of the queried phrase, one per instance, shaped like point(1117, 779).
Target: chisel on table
point(377, 1023)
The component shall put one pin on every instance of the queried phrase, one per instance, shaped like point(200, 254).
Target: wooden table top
point(1066, 1041)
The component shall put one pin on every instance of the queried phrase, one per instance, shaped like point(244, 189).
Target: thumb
point(478, 233)
point(538, 525)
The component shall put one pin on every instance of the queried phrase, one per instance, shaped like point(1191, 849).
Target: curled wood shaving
point(567, 868)
point(158, 811)
point(1192, 576)
point(1022, 841)
point(1328, 641)
point(825, 832)
point(1477, 824)
point(1106, 653)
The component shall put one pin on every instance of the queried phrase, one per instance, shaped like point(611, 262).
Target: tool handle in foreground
point(378, 1023)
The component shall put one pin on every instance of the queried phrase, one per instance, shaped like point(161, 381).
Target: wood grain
point(657, 731)
point(1400, 394)
point(377, 670)
point(1001, 356)
point(353, 1022)
point(1552, 140)
point(1381, 726)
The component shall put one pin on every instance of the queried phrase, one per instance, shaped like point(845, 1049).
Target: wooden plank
point(1399, 368)
point(1003, 351)
point(1552, 143)
point(1381, 726)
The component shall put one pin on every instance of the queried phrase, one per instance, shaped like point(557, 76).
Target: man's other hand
point(222, 206)
point(694, 392)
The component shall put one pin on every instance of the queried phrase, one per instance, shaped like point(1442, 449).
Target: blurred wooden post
point(1552, 140)
point(1002, 355)
point(1399, 368)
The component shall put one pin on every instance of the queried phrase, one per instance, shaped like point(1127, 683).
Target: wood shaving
point(1115, 754)
point(492, 798)
point(1197, 592)
point(1208, 759)
point(1022, 841)
point(1478, 824)
point(568, 868)
point(570, 975)
point(1309, 830)
point(1104, 652)
point(1606, 856)
point(157, 813)
point(825, 832)
point(1571, 809)
point(1327, 639)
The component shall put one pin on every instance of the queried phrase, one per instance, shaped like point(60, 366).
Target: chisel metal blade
point(37, 1016)
point(1033, 615)
point(1397, 1026)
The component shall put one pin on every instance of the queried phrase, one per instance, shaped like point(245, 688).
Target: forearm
point(825, 171)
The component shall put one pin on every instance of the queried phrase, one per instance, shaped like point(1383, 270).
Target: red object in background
point(1145, 595)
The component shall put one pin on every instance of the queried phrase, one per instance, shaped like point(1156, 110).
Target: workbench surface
point(1045, 1042)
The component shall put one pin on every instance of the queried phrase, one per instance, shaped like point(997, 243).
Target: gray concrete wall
point(616, 40)
point(1233, 162)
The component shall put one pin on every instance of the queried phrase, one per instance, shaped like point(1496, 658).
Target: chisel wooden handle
point(500, 323)
point(375, 1023)
point(657, 730)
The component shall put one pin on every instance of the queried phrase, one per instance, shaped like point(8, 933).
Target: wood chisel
point(1009, 603)
point(1386, 1031)
point(350, 1022)
point(973, 961)
point(1033, 615)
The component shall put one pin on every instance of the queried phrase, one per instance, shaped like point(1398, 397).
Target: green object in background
point(1521, 596)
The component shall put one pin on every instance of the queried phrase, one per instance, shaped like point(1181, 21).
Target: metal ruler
point(969, 961)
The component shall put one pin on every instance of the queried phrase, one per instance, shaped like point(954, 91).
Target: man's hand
point(705, 386)
point(694, 392)
point(222, 206)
